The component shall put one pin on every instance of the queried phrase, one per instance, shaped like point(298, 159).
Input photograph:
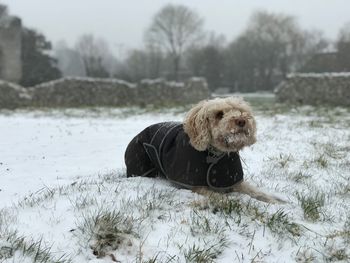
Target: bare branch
point(175, 28)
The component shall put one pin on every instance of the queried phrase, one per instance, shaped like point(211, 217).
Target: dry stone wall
point(81, 92)
point(315, 89)
point(13, 96)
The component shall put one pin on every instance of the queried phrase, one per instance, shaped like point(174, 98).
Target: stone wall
point(10, 49)
point(82, 92)
point(315, 89)
point(160, 91)
point(13, 96)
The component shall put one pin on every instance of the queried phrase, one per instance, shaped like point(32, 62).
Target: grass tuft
point(334, 151)
point(107, 230)
point(299, 176)
point(225, 205)
point(280, 223)
point(321, 161)
point(204, 224)
point(37, 251)
point(337, 255)
point(311, 205)
point(305, 255)
point(35, 199)
point(282, 160)
point(208, 254)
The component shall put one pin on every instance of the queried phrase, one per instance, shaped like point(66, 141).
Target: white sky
point(122, 22)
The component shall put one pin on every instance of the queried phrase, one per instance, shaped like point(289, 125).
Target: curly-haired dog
point(202, 152)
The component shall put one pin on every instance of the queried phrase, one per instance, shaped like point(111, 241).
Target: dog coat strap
point(172, 128)
point(154, 157)
point(153, 149)
point(224, 172)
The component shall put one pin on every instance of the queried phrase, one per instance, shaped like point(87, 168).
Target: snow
point(152, 81)
point(162, 81)
point(261, 95)
point(320, 75)
point(38, 150)
point(11, 85)
point(197, 79)
point(86, 79)
point(57, 167)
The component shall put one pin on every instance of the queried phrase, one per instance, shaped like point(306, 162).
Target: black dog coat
point(164, 149)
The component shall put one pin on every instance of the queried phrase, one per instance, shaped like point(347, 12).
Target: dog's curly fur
point(227, 124)
point(224, 125)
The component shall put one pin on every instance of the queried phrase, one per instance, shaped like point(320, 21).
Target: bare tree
point(136, 65)
point(273, 46)
point(344, 33)
point(94, 53)
point(277, 38)
point(207, 60)
point(343, 47)
point(314, 42)
point(175, 28)
point(155, 58)
point(69, 60)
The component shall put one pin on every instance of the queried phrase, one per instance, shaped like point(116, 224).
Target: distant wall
point(80, 92)
point(315, 89)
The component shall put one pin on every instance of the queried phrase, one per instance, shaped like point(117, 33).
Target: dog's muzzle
point(235, 136)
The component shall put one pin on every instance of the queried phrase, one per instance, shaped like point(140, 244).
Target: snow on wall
point(77, 92)
point(315, 89)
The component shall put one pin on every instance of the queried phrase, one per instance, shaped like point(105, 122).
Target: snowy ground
point(64, 196)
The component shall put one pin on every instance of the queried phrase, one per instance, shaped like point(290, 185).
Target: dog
point(202, 153)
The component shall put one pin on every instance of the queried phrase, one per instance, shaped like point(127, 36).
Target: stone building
point(10, 48)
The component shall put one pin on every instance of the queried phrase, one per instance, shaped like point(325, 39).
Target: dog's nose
point(240, 122)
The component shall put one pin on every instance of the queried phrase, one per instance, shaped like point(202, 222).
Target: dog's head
point(227, 124)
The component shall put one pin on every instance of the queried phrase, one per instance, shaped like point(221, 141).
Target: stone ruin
point(91, 92)
point(315, 89)
point(10, 48)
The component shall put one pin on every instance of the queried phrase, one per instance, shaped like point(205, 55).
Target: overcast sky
point(123, 22)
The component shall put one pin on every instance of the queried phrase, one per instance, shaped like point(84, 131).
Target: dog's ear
point(196, 125)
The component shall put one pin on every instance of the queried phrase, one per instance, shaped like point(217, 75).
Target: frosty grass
point(64, 196)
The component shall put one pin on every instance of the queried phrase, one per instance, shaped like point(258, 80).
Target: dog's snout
point(240, 122)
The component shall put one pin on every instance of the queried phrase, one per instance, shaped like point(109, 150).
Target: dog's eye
point(219, 115)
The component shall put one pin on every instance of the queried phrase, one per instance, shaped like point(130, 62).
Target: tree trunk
point(176, 67)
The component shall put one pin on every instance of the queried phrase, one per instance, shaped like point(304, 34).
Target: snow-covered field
point(64, 196)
